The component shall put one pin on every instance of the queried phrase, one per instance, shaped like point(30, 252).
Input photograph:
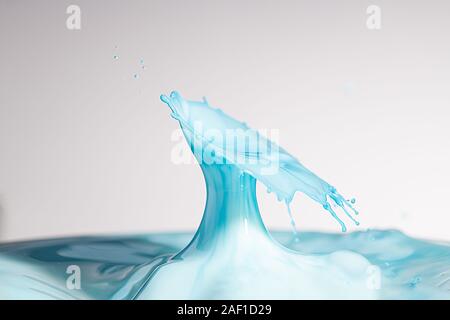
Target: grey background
point(85, 147)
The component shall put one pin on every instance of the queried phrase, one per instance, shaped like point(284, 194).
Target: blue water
point(232, 255)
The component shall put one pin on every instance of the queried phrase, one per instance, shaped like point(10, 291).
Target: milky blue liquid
point(232, 255)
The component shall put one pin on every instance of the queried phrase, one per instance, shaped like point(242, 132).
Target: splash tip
point(175, 95)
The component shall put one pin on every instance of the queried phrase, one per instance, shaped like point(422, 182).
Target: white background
point(85, 148)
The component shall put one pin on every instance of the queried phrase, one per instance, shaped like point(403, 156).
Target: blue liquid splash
point(232, 255)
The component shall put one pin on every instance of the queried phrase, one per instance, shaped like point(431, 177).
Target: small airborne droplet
point(136, 76)
point(353, 200)
point(115, 57)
